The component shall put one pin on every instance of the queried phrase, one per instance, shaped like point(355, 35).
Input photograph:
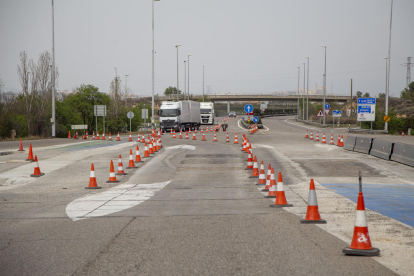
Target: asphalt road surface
point(191, 208)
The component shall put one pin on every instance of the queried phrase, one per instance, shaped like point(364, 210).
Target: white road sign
point(366, 109)
point(320, 113)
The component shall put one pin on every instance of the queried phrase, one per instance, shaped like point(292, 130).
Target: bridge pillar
point(228, 107)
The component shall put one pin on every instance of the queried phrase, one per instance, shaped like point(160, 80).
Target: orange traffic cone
point(339, 141)
point(361, 243)
point(269, 172)
point(92, 180)
point(36, 172)
point(194, 137)
point(120, 167)
point(118, 138)
point(317, 137)
point(235, 139)
point(186, 135)
point(93, 137)
point(244, 144)
point(103, 135)
point(323, 139)
point(311, 137)
point(137, 156)
point(306, 134)
point(255, 172)
point(143, 138)
point(138, 138)
point(312, 214)
point(146, 153)
point(227, 139)
point(206, 129)
point(280, 194)
point(181, 135)
point(189, 130)
point(215, 137)
point(272, 186)
point(69, 137)
point(341, 144)
point(211, 128)
point(112, 177)
point(97, 135)
point(332, 141)
point(247, 145)
point(262, 175)
point(21, 146)
point(402, 133)
point(249, 161)
point(110, 137)
point(174, 135)
point(30, 156)
point(204, 137)
point(130, 137)
point(131, 164)
point(202, 131)
point(150, 150)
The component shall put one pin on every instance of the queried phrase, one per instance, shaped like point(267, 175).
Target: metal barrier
point(363, 144)
point(403, 153)
point(381, 149)
point(350, 143)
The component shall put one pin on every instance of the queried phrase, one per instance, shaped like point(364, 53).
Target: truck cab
point(207, 113)
point(179, 115)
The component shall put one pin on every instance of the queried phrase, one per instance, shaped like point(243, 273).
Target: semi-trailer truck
point(207, 113)
point(179, 115)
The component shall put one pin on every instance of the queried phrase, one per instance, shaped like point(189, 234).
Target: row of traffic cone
point(360, 245)
point(340, 138)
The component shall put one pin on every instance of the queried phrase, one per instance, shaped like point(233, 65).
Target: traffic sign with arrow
point(248, 108)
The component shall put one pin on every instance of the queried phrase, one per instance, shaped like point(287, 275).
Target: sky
point(247, 46)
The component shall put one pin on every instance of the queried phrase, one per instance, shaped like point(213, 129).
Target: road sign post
point(99, 111)
point(144, 115)
point(248, 108)
point(366, 110)
point(130, 115)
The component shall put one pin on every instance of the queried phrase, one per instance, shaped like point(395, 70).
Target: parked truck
point(179, 115)
point(207, 113)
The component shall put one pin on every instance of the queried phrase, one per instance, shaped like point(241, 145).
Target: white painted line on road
point(261, 146)
point(238, 124)
point(20, 176)
point(326, 147)
point(117, 199)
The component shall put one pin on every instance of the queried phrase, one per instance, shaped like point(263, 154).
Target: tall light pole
point(53, 74)
point(303, 95)
point(389, 70)
point(153, 52)
point(188, 80)
point(126, 84)
point(386, 91)
point(203, 81)
point(307, 94)
point(298, 88)
point(324, 87)
point(176, 46)
point(185, 79)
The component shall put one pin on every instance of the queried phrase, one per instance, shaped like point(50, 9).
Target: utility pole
point(303, 96)
point(408, 77)
point(53, 74)
point(389, 69)
point(350, 115)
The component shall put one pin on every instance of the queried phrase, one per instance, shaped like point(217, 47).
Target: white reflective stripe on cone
point(360, 219)
point(280, 186)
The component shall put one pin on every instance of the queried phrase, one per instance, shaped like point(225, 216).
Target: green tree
point(358, 94)
point(171, 91)
point(84, 99)
point(408, 94)
point(366, 95)
point(206, 99)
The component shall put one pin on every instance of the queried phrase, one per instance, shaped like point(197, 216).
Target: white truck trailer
point(177, 115)
point(207, 113)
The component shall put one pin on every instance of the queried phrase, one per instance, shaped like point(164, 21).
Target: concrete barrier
point(403, 153)
point(363, 144)
point(350, 143)
point(381, 149)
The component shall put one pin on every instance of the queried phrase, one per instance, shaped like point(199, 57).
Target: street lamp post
point(298, 88)
point(389, 69)
point(185, 79)
point(126, 84)
point(307, 94)
point(203, 81)
point(324, 87)
point(386, 91)
point(176, 46)
point(188, 80)
point(53, 73)
point(303, 95)
point(153, 52)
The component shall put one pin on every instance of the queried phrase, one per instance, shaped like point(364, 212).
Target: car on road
point(232, 114)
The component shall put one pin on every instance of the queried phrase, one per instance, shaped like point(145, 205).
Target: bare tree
point(116, 94)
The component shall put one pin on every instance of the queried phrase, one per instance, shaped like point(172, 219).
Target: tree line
point(29, 113)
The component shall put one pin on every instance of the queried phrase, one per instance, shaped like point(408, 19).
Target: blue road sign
point(255, 120)
point(327, 106)
point(336, 112)
point(248, 108)
point(366, 101)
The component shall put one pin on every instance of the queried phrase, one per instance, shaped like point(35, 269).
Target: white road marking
point(238, 124)
point(20, 176)
point(261, 146)
point(326, 147)
point(115, 200)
